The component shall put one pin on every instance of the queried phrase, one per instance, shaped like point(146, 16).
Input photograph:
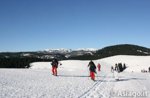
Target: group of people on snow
point(91, 65)
point(92, 68)
point(119, 67)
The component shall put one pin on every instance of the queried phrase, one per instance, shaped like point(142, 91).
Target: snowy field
point(73, 80)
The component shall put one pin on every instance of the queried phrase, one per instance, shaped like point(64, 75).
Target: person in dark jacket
point(92, 69)
point(117, 69)
point(116, 72)
point(112, 69)
point(54, 66)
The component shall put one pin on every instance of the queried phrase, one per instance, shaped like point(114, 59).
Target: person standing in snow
point(99, 67)
point(112, 69)
point(54, 66)
point(92, 69)
point(116, 71)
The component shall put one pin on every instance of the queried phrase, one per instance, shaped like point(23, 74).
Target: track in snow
point(101, 89)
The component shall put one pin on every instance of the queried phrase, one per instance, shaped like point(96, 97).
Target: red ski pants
point(54, 70)
point(92, 75)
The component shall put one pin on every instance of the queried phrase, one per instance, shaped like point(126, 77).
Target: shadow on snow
point(76, 76)
point(121, 79)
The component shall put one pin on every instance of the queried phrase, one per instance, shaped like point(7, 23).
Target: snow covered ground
point(73, 80)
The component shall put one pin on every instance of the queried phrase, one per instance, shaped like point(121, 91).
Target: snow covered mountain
point(61, 50)
point(69, 52)
point(64, 51)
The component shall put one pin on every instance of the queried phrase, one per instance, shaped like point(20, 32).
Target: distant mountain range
point(123, 49)
point(25, 58)
point(50, 53)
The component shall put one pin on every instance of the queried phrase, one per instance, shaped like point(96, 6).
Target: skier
point(54, 66)
point(112, 69)
point(92, 69)
point(116, 72)
point(99, 67)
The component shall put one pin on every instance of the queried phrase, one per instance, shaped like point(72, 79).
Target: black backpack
point(54, 63)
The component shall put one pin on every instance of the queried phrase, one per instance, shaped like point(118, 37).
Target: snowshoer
point(99, 67)
point(92, 69)
point(116, 72)
point(54, 66)
point(112, 69)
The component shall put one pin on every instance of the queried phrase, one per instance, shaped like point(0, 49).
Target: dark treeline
point(124, 49)
point(17, 62)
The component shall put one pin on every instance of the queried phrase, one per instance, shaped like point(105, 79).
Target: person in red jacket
point(92, 69)
point(99, 67)
point(54, 66)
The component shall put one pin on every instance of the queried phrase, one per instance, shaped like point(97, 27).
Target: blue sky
point(30, 25)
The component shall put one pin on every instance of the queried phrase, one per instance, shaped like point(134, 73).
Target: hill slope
point(73, 80)
point(123, 49)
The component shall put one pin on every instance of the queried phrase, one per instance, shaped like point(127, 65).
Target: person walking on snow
point(54, 66)
point(99, 67)
point(92, 69)
point(116, 72)
point(112, 69)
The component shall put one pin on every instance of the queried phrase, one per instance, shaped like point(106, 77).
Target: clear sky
point(30, 25)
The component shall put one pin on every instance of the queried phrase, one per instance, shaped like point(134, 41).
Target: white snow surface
point(73, 80)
